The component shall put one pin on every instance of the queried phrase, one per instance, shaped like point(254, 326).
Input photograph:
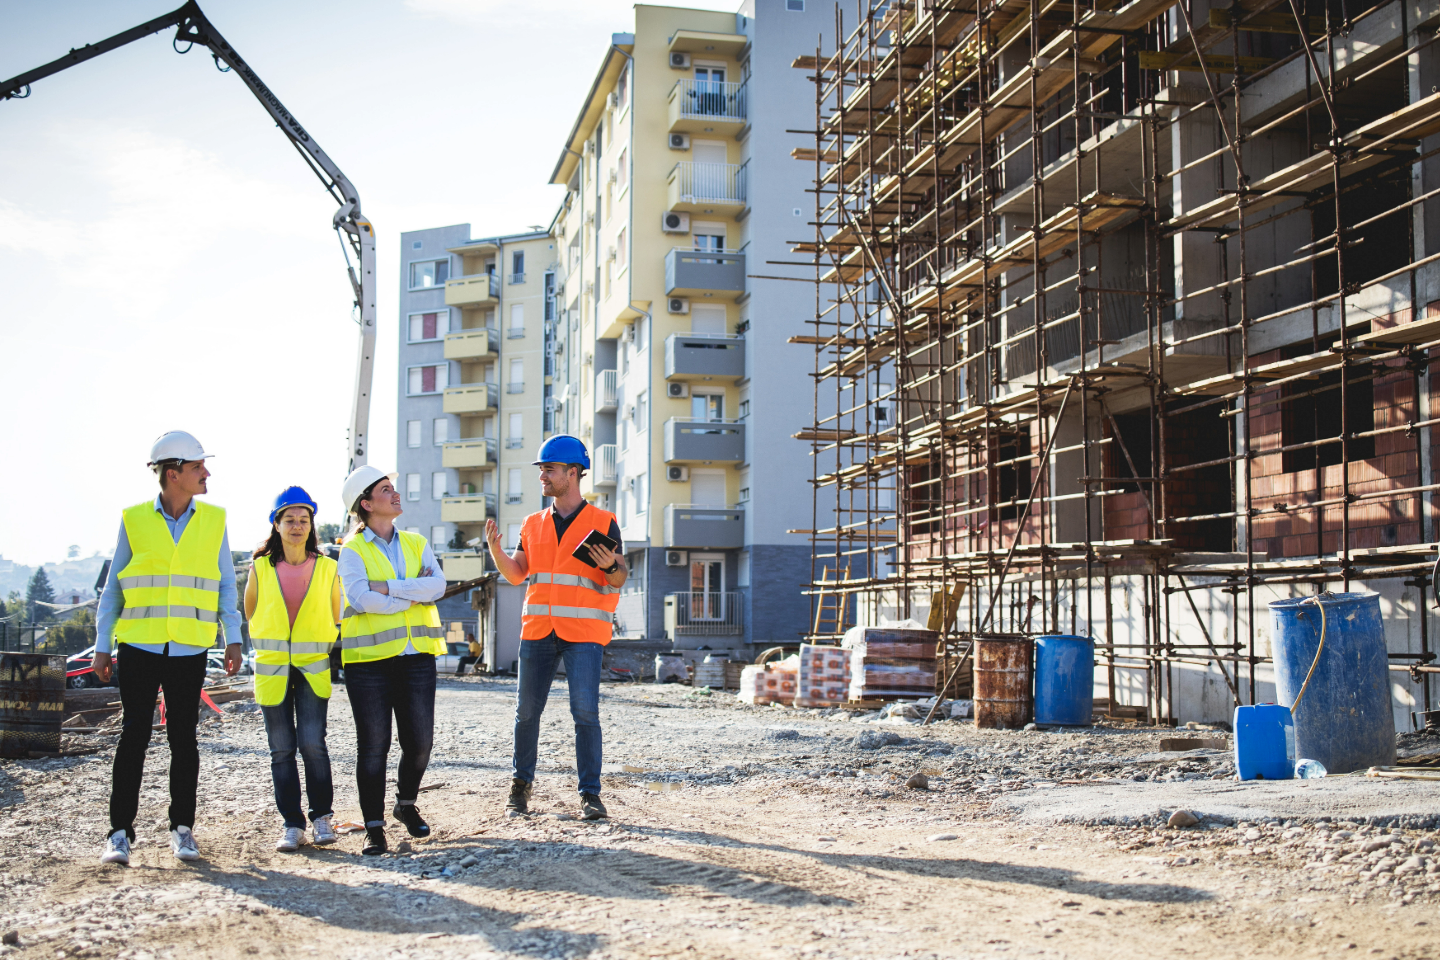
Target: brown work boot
point(519, 803)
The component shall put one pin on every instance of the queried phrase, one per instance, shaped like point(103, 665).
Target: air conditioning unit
point(628, 334)
point(675, 558)
point(630, 412)
point(614, 175)
point(679, 141)
point(677, 474)
point(589, 146)
point(677, 305)
point(609, 253)
point(677, 391)
point(674, 222)
point(550, 404)
point(611, 100)
point(679, 61)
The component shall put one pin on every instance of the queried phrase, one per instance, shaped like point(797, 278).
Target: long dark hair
point(273, 546)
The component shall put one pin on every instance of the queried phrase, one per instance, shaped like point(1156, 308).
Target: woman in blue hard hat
point(292, 601)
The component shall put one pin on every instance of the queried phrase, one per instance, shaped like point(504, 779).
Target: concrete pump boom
point(193, 27)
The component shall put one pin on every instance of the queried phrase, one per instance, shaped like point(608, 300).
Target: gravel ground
point(736, 830)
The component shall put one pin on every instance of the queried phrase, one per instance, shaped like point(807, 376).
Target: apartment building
point(672, 359)
point(472, 399)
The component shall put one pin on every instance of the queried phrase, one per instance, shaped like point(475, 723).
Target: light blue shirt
point(403, 592)
point(112, 600)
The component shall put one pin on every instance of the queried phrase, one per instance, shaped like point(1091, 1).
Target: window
point(440, 429)
point(412, 529)
point(744, 413)
point(428, 326)
point(439, 488)
point(639, 493)
point(517, 267)
point(620, 173)
point(549, 297)
point(431, 379)
point(742, 569)
point(416, 245)
point(515, 432)
point(517, 320)
point(642, 410)
point(412, 487)
point(795, 6)
point(1306, 419)
point(517, 376)
point(512, 536)
point(429, 273)
point(437, 536)
point(743, 496)
point(1012, 453)
point(574, 263)
point(620, 249)
point(412, 433)
point(514, 485)
point(609, 200)
point(622, 88)
point(707, 407)
point(640, 339)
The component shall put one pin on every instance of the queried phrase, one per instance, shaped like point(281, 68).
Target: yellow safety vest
point(378, 636)
point(171, 590)
point(278, 645)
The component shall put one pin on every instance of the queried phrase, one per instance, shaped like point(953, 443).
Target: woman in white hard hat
point(292, 601)
point(390, 636)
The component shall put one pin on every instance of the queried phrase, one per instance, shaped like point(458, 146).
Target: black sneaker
point(519, 803)
point(375, 842)
point(407, 814)
point(591, 808)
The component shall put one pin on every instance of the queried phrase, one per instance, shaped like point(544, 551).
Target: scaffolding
point(1121, 321)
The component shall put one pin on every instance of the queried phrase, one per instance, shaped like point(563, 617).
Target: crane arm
point(193, 27)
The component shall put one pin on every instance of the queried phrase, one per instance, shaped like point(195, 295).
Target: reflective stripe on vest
point(171, 588)
point(378, 636)
point(304, 645)
point(566, 596)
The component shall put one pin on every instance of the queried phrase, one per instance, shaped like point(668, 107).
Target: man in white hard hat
point(170, 589)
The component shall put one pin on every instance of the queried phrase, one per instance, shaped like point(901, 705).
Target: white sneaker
point(324, 831)
point(182, 844)
point(117, 848)
point(291, 839)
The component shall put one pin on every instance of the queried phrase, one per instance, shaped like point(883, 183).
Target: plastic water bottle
point(1309, 770)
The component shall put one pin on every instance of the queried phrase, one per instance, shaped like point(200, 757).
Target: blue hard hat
point(563, 448)
point(293, 497)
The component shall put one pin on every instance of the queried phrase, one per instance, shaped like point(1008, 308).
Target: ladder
point(830, 617)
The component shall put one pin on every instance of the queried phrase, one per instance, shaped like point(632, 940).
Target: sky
point(167, 260)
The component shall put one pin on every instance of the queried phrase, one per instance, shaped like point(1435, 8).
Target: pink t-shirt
point(294, 582)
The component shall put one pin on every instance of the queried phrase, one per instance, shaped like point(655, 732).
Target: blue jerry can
point(1264, 742)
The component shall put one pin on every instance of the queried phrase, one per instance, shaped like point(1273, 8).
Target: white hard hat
point(361, 479)
point(177, 445)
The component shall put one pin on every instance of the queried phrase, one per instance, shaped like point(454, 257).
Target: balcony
point(471, 508)
point(462, 566)
point(704, 356)
point(697, 614)
point(516, 386)
point(469, 454)
point(472, 344)
point(705, 106)
point(479, 290)
point(606, 471)
point(607, 390)
point(706, 187)
point(704, 441)
point(704, 528)
point(690, 272)
point(470, 398)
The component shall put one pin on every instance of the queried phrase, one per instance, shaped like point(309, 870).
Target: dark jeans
point(141, 676)
point(298, 722)
point(405, 687)
point(465, 661)
point(538, 660)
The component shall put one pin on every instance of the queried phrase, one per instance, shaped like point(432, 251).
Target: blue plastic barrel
point(1064, 680)
point(1264, 742)
point(1345, 719)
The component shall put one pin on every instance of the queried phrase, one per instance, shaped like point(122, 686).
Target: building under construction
point(1123, 323)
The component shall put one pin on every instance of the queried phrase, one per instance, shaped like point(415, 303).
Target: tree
point(72, 636)
point(73, 551)
point(41, 591)
point(328, 532)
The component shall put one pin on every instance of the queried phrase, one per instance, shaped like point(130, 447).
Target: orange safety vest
point(566, 596)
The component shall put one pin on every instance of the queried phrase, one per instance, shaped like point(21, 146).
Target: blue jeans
point(404, 687)
point(298, 722)
point(538, 660)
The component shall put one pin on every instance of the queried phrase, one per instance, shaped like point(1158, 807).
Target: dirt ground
point(735, 831)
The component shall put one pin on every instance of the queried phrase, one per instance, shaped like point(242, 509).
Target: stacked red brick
point(892, 663)
point(824, 678)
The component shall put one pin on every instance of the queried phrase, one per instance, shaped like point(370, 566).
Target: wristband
point(612, 568)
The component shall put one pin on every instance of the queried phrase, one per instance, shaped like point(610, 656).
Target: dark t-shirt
point(563, 523)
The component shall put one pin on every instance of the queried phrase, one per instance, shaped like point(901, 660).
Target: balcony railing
point(468, 454)
point(607, 390)
point(695, 613)
point(468, 291)
point(606, 471)
point(471, 344)
point(462, 565)
point(693, 272)
point(471, 508)
point(514, 387)
point(699, 527)
point(471, 398)
point(695, 185)
point(514, 443)
point(717, 441)
point(710, 356)
point(696, 104)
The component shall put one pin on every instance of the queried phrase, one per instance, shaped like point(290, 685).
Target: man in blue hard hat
point(569, 615)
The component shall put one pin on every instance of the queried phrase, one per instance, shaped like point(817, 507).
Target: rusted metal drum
point(32, 703)
point(1002, 682)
